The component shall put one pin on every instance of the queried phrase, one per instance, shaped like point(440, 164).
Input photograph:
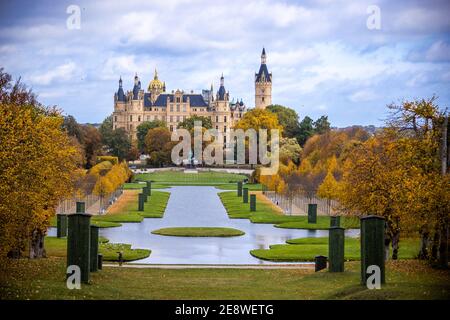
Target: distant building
point(136, 106)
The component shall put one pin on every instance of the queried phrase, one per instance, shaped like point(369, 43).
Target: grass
point(200, 178)
point(57, 247)
point(266, 213)
point(153, 208)
point(305, 249)
point(199, 232)
point(45, 279)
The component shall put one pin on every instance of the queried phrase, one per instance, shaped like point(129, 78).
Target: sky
point(343, 59)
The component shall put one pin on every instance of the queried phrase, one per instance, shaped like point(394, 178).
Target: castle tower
point(263, 84)
point(156, 87)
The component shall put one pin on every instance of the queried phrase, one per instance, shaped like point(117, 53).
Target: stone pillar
point(320, 262)
point(239, 189)
point(149, 188)
point(336, 241)
point(100, 261)
point(94, 249)
point(253, 202)
point(145, 192)
point(245, 195)
point(81, 207)
point(61, 225)
point(312, 213)
point(141, 200)
point(335, 221)
point(372, 245)
point(78, 243)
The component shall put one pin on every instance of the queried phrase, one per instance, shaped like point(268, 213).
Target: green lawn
point(57, 247)
point(153, 208)
point(305, 249)
point(45, 279)
point(199, 232)
point(265, 213)
point(187, 178)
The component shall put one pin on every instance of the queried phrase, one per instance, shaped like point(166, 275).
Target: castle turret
point(263, 84)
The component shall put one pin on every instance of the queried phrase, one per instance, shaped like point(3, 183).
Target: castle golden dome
point(156, 84)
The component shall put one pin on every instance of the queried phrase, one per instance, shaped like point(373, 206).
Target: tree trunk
point(424, 242)
point(443, 245)
point(395, 242)
point(37, 249)
point(434, 247)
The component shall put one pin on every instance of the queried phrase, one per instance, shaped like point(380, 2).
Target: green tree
point(143, 128)
point(321, 125)
point(306, 130)
point(288, 118)
point(119, 143)
point(188, 124)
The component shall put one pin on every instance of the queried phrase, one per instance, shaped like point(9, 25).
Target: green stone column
point(78, 243)
point(100, 261)
point(61, 225)
point(336, 241)
point(335, 221)
point(245, 195)
point(93, 252)
point(372, 245)
point(312, 213)
point(141, 201)
point(149, 188)
point(81, 207)
point(239, 189)
point(253, 202)
point(145, 192)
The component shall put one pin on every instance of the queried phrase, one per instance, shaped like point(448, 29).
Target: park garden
point(341, 202)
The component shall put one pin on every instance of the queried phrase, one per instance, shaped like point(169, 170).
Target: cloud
point(363, 96)
point(438, 52)
point(64, 72)
point(318, 51)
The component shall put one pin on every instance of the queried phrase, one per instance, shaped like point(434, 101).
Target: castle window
point(178, 99)
point(171, 118)
point(217, 127)
point(139, 118)
point(131, 118)
point(171, 108)
point(171, 128)
point(224, 118)
point(224, 128)
point(262, 99)
point(178, 118)
point(184, 108)
point(178, 108)
point(217, 118)
point(224, 139)
point(115, 118)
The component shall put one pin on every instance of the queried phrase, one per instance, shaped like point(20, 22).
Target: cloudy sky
point(324, 58)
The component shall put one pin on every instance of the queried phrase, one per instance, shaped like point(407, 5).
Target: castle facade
point(139, 105)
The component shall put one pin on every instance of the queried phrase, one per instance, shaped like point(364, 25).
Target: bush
point(112, 159)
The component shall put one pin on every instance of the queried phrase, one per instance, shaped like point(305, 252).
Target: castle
point(136, 106)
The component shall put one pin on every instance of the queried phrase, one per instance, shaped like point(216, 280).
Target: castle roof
point(195, 100)
point(263, 74)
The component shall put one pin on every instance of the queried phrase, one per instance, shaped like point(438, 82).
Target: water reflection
point(201, 207)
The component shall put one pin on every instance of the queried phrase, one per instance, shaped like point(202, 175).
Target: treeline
point(400, 172)
point(95, 142)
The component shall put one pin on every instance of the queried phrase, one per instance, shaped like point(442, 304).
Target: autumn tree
point(142, 129)
point(288, 118)
point(159, 146)
point(37, 168)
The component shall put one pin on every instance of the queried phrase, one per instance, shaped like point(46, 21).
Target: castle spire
point(263, 56)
